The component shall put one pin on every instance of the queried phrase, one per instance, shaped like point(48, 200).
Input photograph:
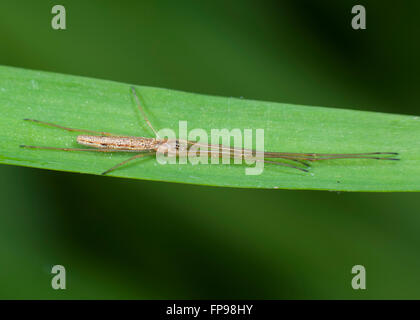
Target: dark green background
point(133, 239)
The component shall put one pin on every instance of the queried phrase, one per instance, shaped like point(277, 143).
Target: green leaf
point(102, 105)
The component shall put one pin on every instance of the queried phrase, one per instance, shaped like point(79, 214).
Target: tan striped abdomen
point(118, 142)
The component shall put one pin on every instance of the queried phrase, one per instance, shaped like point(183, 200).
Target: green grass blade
point(108, 106)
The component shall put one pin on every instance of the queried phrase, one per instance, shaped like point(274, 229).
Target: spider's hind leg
point(70, 129)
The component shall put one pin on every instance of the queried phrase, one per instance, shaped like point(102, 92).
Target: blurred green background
point(139, 239)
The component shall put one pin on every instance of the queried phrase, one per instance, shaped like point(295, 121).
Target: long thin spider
point(109, 142)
